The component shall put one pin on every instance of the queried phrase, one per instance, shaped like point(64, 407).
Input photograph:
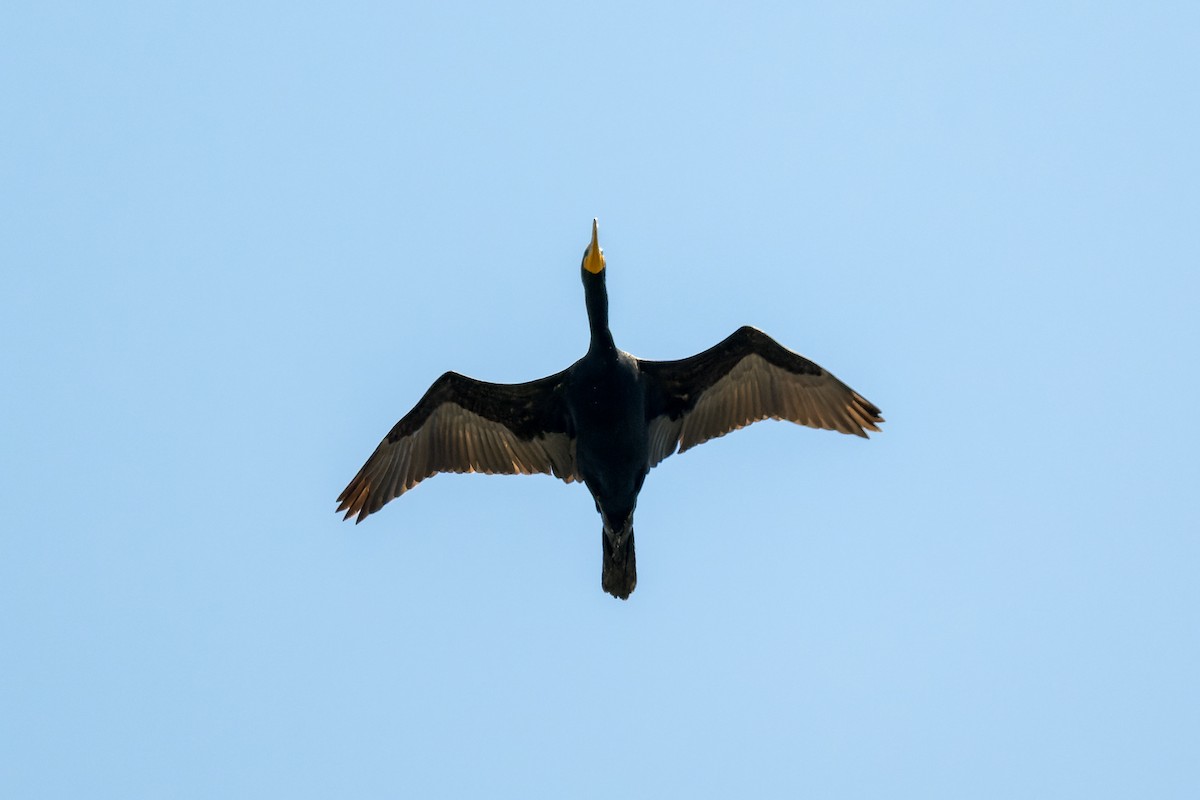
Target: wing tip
point(353, 500)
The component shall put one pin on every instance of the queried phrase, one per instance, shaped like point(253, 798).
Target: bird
point(605, 421)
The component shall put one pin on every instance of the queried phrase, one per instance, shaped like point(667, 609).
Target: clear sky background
point(238, 241)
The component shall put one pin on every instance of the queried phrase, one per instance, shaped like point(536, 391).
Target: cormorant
point(605, 420)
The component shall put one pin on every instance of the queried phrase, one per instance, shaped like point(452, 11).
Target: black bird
point(605, 420)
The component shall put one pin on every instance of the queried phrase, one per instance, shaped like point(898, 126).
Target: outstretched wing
point(465, 425)
point(745, 378)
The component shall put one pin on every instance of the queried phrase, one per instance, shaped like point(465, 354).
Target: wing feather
point(744, 379)
point(465, 425)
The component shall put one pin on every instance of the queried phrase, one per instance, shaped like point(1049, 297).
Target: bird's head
point(593, 257)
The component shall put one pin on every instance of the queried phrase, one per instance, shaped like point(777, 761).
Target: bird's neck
point(597, 310)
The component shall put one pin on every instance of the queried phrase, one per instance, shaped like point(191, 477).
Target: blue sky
point(238, 242)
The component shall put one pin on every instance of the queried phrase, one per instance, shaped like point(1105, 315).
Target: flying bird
point(606, 420)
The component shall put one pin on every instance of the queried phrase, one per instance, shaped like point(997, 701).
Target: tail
point(619, 575)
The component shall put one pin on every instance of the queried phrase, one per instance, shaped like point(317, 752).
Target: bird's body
point(606, 399)
point(605, 421)
point(607, 404)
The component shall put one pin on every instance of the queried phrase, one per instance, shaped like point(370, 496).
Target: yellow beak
point(593, 259)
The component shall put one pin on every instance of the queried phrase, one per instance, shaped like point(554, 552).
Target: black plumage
point(606, 420)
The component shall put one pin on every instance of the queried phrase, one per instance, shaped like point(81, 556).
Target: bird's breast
point(608, 409)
